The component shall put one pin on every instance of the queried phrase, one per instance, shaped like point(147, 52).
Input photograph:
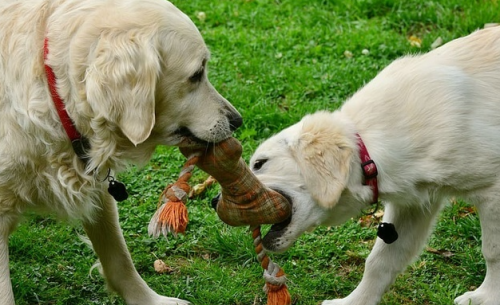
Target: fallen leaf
point(200, 188)
point(371, 219)
point(379, 214)
point(201, 16)
point(466, 211)
point(366, 221)
point(443, 253)
point(415, 41)
point(161, 267)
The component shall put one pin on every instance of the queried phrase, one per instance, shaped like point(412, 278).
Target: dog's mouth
point(277, 230)
point(188, 139)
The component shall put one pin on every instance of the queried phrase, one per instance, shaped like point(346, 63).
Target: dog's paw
point(160, 300)
point(350, 301)
point(340, 302)
point(171, 301)
point(479, 297)
point(333, 302)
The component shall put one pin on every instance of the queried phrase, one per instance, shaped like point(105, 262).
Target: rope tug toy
point(243, 200)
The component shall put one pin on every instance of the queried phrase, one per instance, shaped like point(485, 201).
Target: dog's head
point(150, 79)
point(141, 67)
point(311, 163)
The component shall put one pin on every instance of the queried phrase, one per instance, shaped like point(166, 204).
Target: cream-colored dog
point(132, 75)
point(431, 124)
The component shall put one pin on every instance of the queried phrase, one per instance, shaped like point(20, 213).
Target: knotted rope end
point(278, 295)
point(172, 214)
point(277, 291)
point(171, 217)
point(275, 287)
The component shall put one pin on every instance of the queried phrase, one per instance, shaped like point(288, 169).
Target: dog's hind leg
point(386, 261)
point(109, 244)
point(489, 291)
point(6, 294)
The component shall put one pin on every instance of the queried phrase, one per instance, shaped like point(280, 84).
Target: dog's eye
point(258, 164)
point(195, 78)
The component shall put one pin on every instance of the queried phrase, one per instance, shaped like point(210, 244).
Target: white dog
point(131, 75)
point(431, 125)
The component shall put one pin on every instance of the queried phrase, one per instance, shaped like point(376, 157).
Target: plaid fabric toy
point(244, 200)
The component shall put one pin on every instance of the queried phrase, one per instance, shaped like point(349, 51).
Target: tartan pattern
point(244, 199)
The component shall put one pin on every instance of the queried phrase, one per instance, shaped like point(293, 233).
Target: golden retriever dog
point(430, 124)
point(131, 75)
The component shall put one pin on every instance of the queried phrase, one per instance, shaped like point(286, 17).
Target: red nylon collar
point(80, 144)
point(369, 169)
point(66, 121)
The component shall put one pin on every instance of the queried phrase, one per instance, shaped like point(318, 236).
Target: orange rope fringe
point(172, 215)
point(276, 289)
point(175, 215)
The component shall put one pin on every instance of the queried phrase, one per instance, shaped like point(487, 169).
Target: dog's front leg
point(6, 294)
point(109, 244)
point(386, 261)
point(488, 293)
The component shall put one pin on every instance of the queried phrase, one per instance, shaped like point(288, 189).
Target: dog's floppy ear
point(324, 155)
point(121, 81)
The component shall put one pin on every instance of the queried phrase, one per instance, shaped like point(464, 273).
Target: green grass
point(275, 61)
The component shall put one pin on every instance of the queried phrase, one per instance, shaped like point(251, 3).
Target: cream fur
point(431, 123)
point(126, 72)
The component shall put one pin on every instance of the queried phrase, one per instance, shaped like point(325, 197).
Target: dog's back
point(441, 110)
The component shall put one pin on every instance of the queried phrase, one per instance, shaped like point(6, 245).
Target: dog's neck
point(386, 231)
point(369, 169)
point(80, 144)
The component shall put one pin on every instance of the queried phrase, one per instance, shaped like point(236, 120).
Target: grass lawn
point(275, 60)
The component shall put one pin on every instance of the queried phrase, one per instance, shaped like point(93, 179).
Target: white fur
point(431, 123)
point(125, 70)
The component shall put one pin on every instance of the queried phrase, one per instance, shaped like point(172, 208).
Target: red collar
point(80, 144)
point(68, 125)
point(369, 169)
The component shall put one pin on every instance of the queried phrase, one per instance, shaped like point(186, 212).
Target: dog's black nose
point(235, 121)
point(215, 201)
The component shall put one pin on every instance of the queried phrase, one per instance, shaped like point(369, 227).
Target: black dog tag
point(117, 190)
point(387, 232)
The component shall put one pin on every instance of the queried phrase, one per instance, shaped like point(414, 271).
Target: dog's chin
point(192, 142)
point(276, 240)
point(188, 139)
